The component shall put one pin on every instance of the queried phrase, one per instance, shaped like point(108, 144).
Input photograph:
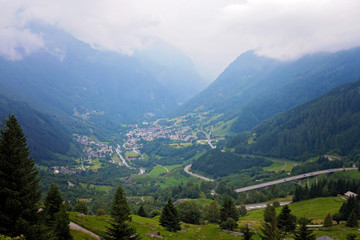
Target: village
point(92, 150)
point(153, 130)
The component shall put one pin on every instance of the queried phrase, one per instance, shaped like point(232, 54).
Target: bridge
point(293, 178)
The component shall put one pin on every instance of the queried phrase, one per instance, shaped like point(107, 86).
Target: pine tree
point(61, 226)
point(328, 220)
point(169, 217)
point(303, 233)
point(352, 220)
point(286, 221)
point(212, 212)
point(228, 210)
point(53, 202)
point(141, 212)
point(247, 234)
point(19, 184)
point(269, 228)
point(120, 213)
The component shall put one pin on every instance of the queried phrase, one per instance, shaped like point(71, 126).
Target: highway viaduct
point(293, 178)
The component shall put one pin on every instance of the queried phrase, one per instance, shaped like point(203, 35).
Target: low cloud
point(213, 33)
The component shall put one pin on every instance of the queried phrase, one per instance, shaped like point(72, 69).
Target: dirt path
point(76, 227)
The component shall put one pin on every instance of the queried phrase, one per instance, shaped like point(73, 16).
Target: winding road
point(118, 152)
point(186, 169)
point(283, 180)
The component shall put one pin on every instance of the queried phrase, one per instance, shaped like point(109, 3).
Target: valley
point(142, 135)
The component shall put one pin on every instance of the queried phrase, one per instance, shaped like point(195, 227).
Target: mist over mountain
point(69, 78)
point(174, 70)
point(254, 88)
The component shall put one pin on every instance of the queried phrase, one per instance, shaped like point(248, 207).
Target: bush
point(229, 224)
point(100, 212)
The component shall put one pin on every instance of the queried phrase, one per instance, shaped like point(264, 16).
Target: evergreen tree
point(169, 217)
point(141, 212)
point(286, 221)
point(212, 212)
point(270, 213)
point(19, 184)
point(328, 220)
point(229, 224)
point(352, 220)
point(61, 228)
point(242, 210)
point(120, 213)
point(228, 210)
point(246, 231)
point(303, 233)
point(269, 228)
point(53, 202)
point(351, 236)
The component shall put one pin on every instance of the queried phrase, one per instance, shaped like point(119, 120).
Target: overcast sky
point(211, 32)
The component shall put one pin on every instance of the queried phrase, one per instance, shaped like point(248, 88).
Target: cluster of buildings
point(93, 149)
point(152, 131)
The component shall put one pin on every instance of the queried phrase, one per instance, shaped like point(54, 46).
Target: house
point(349, 194)
point(325, 238)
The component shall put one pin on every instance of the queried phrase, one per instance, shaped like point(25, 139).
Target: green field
point(278, 166)
point(78, 235)
point(173, 178)
point(157, 170)
point(131, 155)
point(315, 209)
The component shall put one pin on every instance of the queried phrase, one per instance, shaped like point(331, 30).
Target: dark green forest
point(217, 163)
point(328, 124)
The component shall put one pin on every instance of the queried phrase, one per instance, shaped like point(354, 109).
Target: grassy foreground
point(315, 209)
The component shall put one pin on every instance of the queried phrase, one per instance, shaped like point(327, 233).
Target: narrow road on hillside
point(208, 138)
point(289, 179)
point(76, 227)
point(118, 152)
point(186, 169)
point(262, 205)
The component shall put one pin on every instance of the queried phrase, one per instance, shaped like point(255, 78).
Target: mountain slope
point(330, 123)
point(69, 77)
point(49, 141)
point(255, 88)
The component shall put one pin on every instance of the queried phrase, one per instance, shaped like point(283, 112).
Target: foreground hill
point(255, 88)
point(329, 123)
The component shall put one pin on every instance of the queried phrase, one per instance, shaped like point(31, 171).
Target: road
point(76, 227)
point(208, 138)
point(186, 169)
point(262, 205)
point(289, 179)
point(118, 152)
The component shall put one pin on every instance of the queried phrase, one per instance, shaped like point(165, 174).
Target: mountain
point(173, 69)
point(328, 124)
point(254, 88)
point(50, 142)
point(70, 78)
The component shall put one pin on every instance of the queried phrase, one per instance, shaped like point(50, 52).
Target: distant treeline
point(326, 188)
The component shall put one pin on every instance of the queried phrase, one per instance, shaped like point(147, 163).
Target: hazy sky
point(212, 32)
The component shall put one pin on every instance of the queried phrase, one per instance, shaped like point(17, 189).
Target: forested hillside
point(255, 88)
point(328, 124)
point(50, 142)
point(218, 164)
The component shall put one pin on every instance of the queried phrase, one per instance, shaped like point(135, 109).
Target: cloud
point(213, 33)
